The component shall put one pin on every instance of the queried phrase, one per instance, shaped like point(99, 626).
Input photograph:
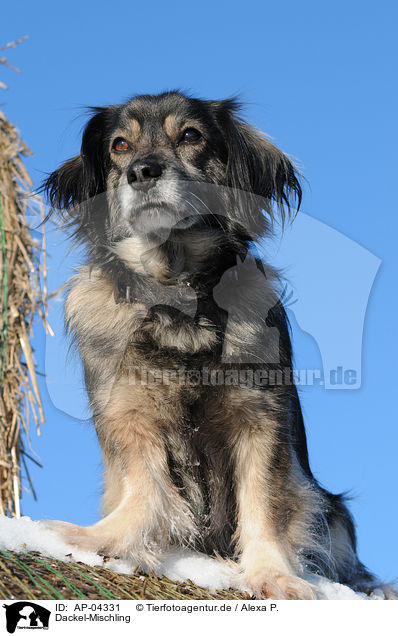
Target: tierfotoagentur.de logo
point(26, 615)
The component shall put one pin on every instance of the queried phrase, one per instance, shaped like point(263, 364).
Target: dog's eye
point(190, 136)
point(120, 145)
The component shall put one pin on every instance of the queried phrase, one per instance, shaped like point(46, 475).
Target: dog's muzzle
point(143, 175)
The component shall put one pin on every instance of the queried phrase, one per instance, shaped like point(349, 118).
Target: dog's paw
point(106, 542)
point(279, 586)
point(84, 538)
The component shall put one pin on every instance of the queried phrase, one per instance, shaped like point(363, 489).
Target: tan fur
point(171, 126)
point(142, 506)
point(142, 257)
point(263, 553)
point(131, 131)
point(141, 503)
point(222, 468)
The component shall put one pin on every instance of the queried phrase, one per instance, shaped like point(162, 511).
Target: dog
point(169, 195)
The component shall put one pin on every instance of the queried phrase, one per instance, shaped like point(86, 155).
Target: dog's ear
point(65, 187)
point(81, 178)
point(255, 165)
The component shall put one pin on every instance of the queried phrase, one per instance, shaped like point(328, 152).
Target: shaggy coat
point(186, 348)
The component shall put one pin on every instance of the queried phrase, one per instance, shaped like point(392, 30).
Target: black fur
point(236, 182)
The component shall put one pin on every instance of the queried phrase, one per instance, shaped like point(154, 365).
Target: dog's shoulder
point(91, 307)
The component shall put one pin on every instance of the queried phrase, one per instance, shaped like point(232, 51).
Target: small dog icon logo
point(26, 615)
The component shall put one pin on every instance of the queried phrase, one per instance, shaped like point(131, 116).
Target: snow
point(25, 535)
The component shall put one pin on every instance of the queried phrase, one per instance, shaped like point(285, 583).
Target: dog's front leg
point(264, 559)
point(143, 508)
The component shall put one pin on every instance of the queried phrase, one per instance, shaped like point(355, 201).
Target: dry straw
point(34, 576)
point(22, 296)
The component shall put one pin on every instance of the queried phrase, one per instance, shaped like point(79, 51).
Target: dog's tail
point(349, 570)
point(366, 582)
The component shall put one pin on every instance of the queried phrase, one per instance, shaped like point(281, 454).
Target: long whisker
point(207, 207)
point(194, 207)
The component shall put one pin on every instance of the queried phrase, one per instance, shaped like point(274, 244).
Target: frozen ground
point(20, 535)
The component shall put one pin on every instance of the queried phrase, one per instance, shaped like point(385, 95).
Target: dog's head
point(171, 168)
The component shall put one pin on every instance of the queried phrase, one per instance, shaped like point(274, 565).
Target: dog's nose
point(141, 173)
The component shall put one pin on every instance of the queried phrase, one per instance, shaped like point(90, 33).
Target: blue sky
point(319, 78)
